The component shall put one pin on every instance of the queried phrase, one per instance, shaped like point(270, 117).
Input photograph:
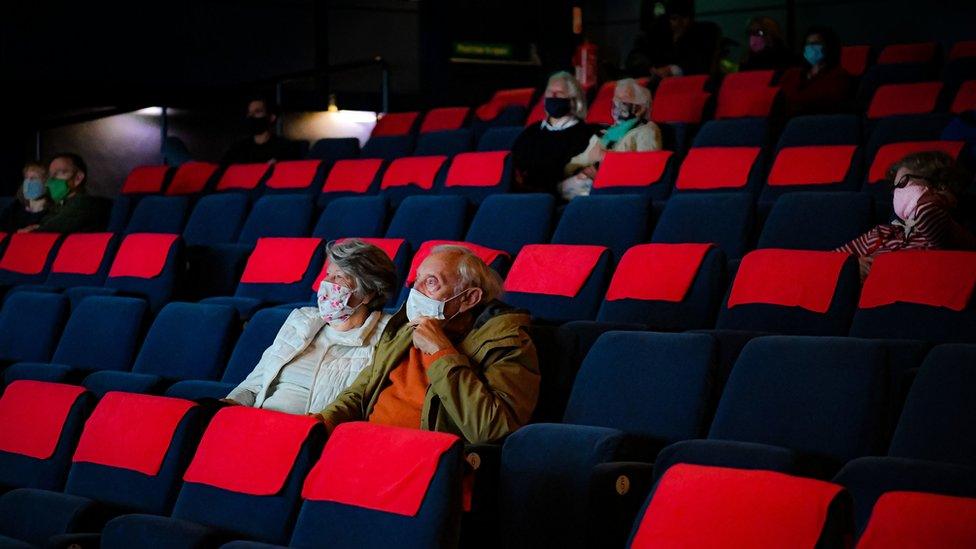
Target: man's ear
point(470, 299)
point(77, 179)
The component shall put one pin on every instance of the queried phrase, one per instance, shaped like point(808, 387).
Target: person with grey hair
point(454, 359)
point(320, 350)
point(541, 151)
point(632, 131)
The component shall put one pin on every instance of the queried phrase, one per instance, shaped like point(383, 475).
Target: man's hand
point(589, 172)
point(429, 337)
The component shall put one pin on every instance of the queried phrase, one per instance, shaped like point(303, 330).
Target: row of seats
point(186, 477)
point(644, 403)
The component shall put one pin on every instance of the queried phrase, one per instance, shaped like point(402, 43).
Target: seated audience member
point(927, 185)
point(32, 203)
point(541, 151)
point(263, 144)
point(767, 49)
point(674, 43)
point(319, 351)
point(453, 359)
point(632, 131)
point(822, 86)
point(72, 209)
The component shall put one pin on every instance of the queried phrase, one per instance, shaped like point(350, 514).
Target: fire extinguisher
point(585, 63)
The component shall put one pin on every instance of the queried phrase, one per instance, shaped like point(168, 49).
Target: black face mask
point(557, 107)
point(257, 124)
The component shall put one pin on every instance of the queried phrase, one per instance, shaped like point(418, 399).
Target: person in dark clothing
point(541, 151)
point(767, 48)
point(263, 145)
point(675, 44)
point(32, 203)
point(822, 86)
point(72, 209)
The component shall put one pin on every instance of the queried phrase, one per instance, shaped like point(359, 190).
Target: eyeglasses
point(906, 180)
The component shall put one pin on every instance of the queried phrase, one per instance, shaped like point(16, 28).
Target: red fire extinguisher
point(585, 63)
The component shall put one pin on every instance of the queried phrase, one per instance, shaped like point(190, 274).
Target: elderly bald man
point(632, 131)
point(453, 359)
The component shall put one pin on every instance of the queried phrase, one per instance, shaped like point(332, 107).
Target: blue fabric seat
point(449, 142)
point(331, 149)
point(186, 341)
point(739, 135)
point(422, 218)
point(259, 333)
point(801, 405)
point(102, 334)
point(352, 216)
point(74, 251)
point(158, 214)
point(388, 147)
point(216, 219)
point(30, 325)
point(96, 491)
point(499, 139)
point(492, 226)
point(724, 219)
point(617, 222)
point(817, 220)
point(549, 306)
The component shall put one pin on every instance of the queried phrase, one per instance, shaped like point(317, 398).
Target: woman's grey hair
point(575, 90)
point(370, 266)
point(473, 273)
point(640, 94)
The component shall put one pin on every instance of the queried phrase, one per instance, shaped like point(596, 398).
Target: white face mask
point(905, 200)
point(419, 306)
point(333, 302)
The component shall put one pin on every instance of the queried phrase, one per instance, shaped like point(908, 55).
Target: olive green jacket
point(481, 394)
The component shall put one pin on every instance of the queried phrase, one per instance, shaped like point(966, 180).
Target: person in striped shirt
point(925, 196)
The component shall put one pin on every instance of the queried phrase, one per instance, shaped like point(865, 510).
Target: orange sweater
point(400, 403)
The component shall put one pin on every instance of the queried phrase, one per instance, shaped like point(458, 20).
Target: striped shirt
point(932, 228)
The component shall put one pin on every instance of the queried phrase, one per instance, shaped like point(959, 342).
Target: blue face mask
point(33, 189)
point(813, 53)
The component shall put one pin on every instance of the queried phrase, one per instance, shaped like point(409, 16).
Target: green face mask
point(617, 132)
point(57, 188)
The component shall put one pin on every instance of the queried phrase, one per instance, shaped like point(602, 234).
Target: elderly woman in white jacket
point(319, 351)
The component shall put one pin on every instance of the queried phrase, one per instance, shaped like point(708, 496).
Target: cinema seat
point(216, 219)
point(296, 176)
point(919, 52)
point(667, 287)
point(413, 500)
point(333, 149)
point(725, 156)
point(724, 219)
point(507, 107)
point(444, 119)
point(647, 173)
point(229, 493)
point(491, 225)
point(444, 142)
point(27, 258)
point(855, 59)
point(395, 124)
point(103, 333)
point(243, 178)
point(746, 94)
point(499, 139)
point(423, 218)
point(388, 147)
point(146, 180)
point(476, 175)
point(933, 288)
point(192, 178)
point(129, 459)
point(41, 425)
point(186, 341)
point(679, 108)
point(352, 216)
point(412, 175)
point(83, 259)
point(30, 325)
point(839, 217)
point(901, 99)
point(559, 282)
point(616, 222)
point(694, 506)
point(795, 292)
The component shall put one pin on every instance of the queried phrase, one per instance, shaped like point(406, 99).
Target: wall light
point(150, 111)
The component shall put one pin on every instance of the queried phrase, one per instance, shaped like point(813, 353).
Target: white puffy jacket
point(347, 354)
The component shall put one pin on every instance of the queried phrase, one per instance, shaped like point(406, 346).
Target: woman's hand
point(230, 402)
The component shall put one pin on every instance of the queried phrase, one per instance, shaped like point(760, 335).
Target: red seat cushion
point(395, 123)
point(242, 176)
point(145, 180)
point(854, 59)
point(681, 85)
point(81, 253)
point(142, 255)
point(552, 269)
point(631, 169)
point(965, 99)
point(679, 108)
point(746, 102)
point(393, 477)
point(898, 99)
point(600, 109)
point(964, 48)
point(790, 278)
point(657, 272)
point(191, 178)
point(911, 520)
point(413, 170)
point(716, 168)
point(538, 112)
point(293, 174)
point(476, 169)
point(279, 260)
point(938, 278)
point(502, 99)
point(893, 152)
point(27, 253)
point(487, 255)
point(249, 450)
point(444, 119)
point(389, 245)
point(907, 53)
point(747, 80)
point(33, 414)
point(814, 165)
point(696, 506)
point(131, 431)
point(352, 175)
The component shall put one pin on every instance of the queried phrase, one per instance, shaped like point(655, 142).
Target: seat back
point(28, 257)
point(280, 270)
point(723, 219)
point(146, 180)
point(616, 222)
point(352, 216)
point(242, 177)
point(216, 219)
point(259, 333)
point(332, 149)
point(444, 119)
point(83, 259)
point(839, 217)
point(103, 333)
point(30, 325)
point(423, 218)
point(491, 225)
point(478, 174)
point(635, 172)
point(282, 215)
point(559, 282)
point(188, 341)
point(158, 214)
point(148, 265)
point(916, 519)
point(192, 178)
point(296, 176)
point(444, 142)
